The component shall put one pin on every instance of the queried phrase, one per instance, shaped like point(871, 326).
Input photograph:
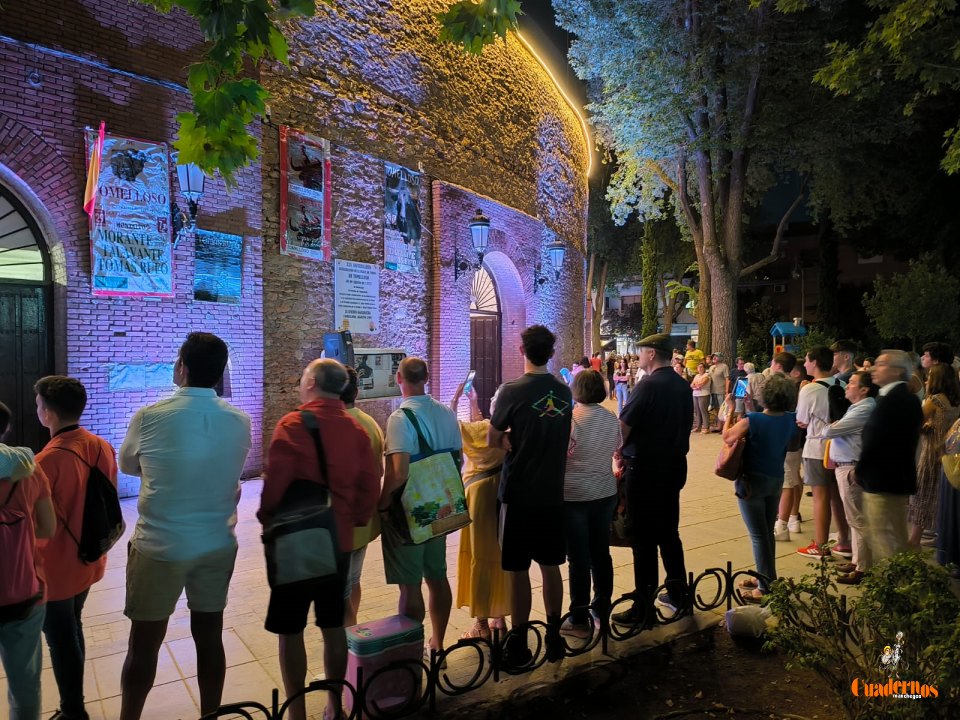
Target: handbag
point(951, 461)
point(431, 503)
point(300, 541)
point(730, 460)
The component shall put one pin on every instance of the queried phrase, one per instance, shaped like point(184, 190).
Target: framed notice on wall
point(356, 299)
point(402, 226)
point(130, 245)
point(304, 195)
point(218, 267)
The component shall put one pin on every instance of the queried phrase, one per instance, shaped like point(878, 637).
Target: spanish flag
point(93, 172)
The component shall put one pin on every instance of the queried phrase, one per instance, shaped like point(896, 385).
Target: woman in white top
point(590, 497)
point(701, 399)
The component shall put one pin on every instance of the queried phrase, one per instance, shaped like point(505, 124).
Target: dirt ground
point(704, 675)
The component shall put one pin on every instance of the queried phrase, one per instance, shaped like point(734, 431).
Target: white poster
point(356, 299)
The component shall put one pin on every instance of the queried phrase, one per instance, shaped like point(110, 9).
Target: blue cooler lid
point(376, 636)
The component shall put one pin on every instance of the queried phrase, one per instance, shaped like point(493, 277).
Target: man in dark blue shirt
point(656, 425)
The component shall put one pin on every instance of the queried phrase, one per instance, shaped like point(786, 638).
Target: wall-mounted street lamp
point(191, 180)
point(479, 236)
point(555, 251)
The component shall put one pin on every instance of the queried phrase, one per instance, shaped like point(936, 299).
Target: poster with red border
point(305, 195)
point(131, 252)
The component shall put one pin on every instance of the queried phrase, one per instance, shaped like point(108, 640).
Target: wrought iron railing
point(429, 679)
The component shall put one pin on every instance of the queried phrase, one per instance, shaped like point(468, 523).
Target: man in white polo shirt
point(189, 451)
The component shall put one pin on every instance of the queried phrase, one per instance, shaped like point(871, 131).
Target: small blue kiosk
point(784, 336)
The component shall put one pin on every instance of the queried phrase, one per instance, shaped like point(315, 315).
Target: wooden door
point(25, 357)
point(485, 357)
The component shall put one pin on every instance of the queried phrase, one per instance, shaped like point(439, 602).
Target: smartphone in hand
point(468, 383)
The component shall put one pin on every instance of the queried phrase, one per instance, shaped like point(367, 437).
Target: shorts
point(290, 604)
point(354, 570)
point(154, 586)
point(409, 564)
point(791, 469)
point(815, 474)
point(531, 534)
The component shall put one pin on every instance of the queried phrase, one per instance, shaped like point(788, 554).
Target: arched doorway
point(485, 338)
point(25, 300)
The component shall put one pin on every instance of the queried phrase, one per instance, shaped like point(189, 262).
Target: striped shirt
point(594, 437)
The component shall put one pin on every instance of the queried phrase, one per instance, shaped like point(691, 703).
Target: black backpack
point(838, 402)
point(102, 519)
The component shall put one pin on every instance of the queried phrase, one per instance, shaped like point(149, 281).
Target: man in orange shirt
point(66, 460)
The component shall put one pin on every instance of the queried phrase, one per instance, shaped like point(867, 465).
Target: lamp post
point(191, 180)
point(479, 236)
point(798, 273)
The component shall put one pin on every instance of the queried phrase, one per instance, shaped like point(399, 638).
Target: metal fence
point(428, 680)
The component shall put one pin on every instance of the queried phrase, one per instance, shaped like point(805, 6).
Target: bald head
point(412, 375)
point(324, 378)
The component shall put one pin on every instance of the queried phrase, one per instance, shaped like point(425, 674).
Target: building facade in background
point(389, 142)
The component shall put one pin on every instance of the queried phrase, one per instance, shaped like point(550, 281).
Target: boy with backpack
point(26, 514)
point(820, 403)
point(74, 461)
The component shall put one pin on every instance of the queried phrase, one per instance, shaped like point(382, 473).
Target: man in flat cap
point(655, 424)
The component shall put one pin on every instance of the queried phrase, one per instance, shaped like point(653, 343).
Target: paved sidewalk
point(711, 529)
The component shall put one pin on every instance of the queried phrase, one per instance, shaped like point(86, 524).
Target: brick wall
point(373, 79)
point(41, 141)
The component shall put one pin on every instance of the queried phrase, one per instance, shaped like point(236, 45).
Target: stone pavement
point(711, 529)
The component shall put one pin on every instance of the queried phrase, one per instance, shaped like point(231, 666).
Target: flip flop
point(748, 582)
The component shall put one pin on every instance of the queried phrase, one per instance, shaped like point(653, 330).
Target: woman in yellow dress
point(482, 585)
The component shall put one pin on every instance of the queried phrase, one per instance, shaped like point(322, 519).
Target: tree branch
point(777, 238)
point(658, 170)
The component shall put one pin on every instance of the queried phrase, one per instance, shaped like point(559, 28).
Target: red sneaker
point(814, 551)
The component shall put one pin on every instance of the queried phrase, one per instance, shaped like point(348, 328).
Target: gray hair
point(900, 359)
point(779, 393)
point(749, 368)
point(329, 376)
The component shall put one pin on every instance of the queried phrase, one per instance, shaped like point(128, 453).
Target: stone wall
point(113, 60)
point(374, 80)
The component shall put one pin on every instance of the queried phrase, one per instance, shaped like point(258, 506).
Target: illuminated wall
point(119, 62)
point(490, 132)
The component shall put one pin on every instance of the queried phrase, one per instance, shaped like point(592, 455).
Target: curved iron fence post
point(603, 629)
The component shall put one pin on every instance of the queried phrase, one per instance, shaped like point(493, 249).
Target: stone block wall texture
point(77, 47)
point(372, 78)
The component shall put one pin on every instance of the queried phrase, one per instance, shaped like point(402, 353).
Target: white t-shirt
point(813, 408)
point(189, 452)
point(437, 422)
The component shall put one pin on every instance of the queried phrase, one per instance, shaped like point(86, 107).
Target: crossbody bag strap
point(63, 520)
point(310, 421)
point(425, 448)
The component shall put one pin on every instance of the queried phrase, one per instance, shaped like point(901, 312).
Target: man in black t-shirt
point(531, 420)
point(656, 424)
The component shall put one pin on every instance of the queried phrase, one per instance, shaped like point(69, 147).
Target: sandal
point(755, 597)
point(498, 623)
point(748, 583)
point(479, 630)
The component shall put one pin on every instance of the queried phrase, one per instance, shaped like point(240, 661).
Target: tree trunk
point(649, 281)
point(704, 308)
point(723, 303)
point(667, 303)
point(598, 298)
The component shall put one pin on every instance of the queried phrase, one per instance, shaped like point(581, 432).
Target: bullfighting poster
point(401, 219)
point(218, 267)
point(130, 245)
point(304, 195)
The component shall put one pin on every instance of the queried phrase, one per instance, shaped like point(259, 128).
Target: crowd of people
point(543, 476)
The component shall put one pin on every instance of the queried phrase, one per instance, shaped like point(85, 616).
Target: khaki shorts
point(154, 586)
point(409, 564)
point(791, 469)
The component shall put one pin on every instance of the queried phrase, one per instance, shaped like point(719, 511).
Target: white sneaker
point(781, 533)
point(794, 524)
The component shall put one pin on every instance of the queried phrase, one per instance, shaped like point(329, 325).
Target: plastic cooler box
point(374, 645)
